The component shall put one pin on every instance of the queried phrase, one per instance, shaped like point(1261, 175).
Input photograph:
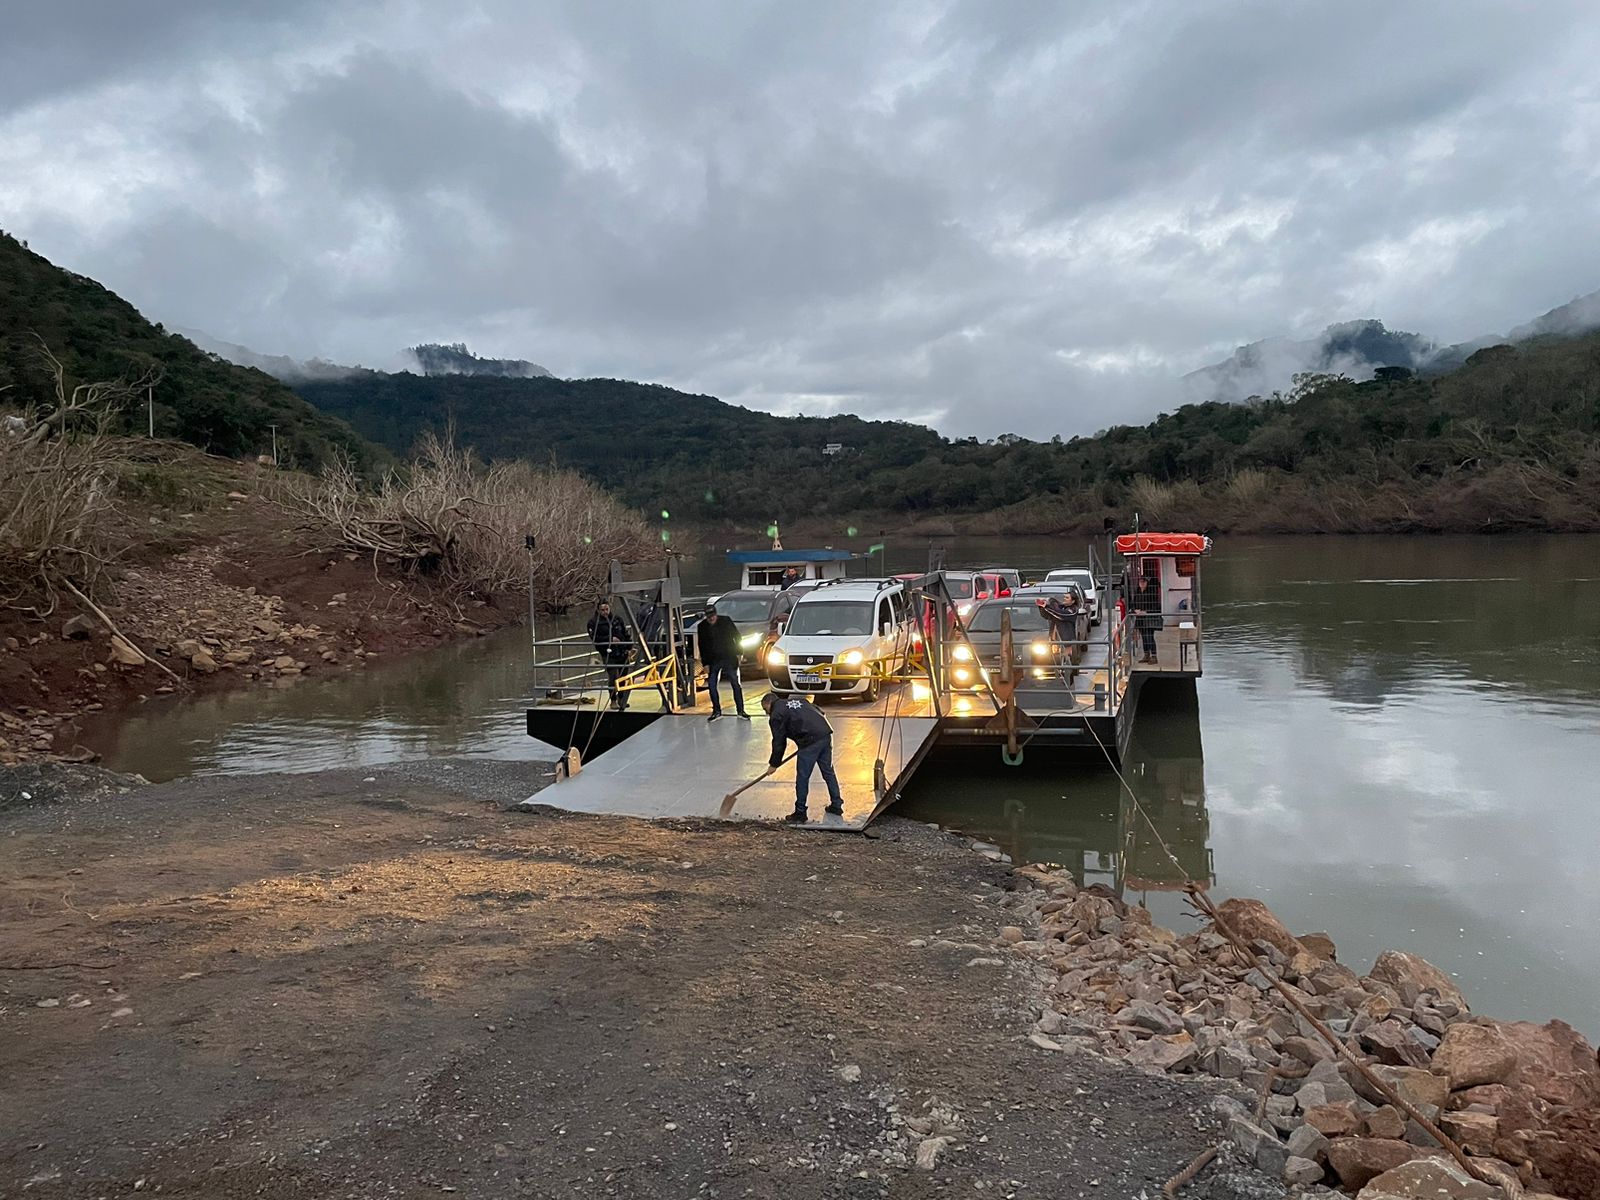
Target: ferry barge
point(661, 756)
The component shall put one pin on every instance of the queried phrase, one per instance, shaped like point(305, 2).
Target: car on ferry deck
point(752, 612)
point(1010, 577)
point(843, 639)
point(1084, 578)
point(972, 669)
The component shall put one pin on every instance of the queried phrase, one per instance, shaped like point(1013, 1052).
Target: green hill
point(1509, 440)
point(200, 398)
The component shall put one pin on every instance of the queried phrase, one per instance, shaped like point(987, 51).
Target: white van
point(843, 639)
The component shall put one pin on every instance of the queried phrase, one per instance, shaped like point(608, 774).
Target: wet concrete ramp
point(683, 766)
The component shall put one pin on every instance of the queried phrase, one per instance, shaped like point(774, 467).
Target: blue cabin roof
point(788, 556)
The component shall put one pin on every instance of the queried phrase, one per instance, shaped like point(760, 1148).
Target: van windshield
point(960, 589)
point(1023, 617)
point(749, 611)
point(812, 617)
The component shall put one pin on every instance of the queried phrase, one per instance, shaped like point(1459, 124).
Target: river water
point(1397, 741)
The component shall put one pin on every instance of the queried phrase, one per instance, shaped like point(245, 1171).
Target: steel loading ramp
point(682, 766)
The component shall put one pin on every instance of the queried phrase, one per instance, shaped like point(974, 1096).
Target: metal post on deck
point(528, 543)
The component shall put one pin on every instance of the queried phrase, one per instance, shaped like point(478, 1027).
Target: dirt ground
point(386, 984)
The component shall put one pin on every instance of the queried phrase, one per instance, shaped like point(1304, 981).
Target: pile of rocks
point(1521, 1098)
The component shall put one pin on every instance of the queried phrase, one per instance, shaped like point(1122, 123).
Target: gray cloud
point(1026, 217)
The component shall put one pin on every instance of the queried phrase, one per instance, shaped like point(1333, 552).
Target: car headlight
point(962, 654)
point(963, 675)
point(963, 609)
point(1040, 649)
point(776, 657)
point(750, 639)
point(852, 658)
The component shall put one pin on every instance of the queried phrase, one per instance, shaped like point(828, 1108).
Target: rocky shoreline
point(1520, 1100)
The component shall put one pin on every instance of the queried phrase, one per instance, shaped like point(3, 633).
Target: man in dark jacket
point(611, 642)
point(718, 642)
point(795, 720)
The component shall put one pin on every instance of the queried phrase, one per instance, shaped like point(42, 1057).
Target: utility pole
point(274, 429)
point(150, 398)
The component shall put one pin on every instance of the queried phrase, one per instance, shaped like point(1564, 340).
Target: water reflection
point(1145, 831)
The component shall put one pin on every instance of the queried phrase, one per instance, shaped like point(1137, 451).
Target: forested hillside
point(199, 398)
point(1510, 440)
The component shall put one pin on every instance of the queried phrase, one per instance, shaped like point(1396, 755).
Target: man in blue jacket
point(795, 720)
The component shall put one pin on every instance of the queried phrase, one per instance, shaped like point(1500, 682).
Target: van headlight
point(1040, 649)
point(963, 609)
point(749, 640)
point(962, 654)
point(962, 675)
point(852, 658)
point(776, 657)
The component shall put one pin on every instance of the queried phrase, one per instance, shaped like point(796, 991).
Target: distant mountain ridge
point(1359, 348)
point(429, 358)
point(456, 359)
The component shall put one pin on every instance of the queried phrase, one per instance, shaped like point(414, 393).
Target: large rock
point(1385, 1121)
point(1422, 1088)
point(1474, 1132)
point(1319, 944)
point(1410, 975)
point(1301, 1170)
point(77, 628)
point(202, 661)
point(1334, 1120)
point(1259, 1144)
point(1157, 1018)
point(123, 652)
point(1434, 1178)
point(1471, 1054)
point(1357, 1161)
point(187, 647)
point(1251, 919)
point(1555, 1060)
point(1164, 1053)
point(1390, 1042)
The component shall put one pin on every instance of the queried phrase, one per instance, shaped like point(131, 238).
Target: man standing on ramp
point(793, 719)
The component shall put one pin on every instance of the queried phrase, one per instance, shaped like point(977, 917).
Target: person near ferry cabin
point(793, 719)
point(609, 634)
point(1146, 605)
point(717, 639)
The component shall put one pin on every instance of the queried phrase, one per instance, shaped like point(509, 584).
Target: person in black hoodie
point(718, 641)
point(611, 642)
point(795, 720)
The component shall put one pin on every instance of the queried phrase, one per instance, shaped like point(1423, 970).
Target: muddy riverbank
point(381, 983)
point(220, 594)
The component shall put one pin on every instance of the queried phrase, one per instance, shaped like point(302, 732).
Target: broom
point(727, 801)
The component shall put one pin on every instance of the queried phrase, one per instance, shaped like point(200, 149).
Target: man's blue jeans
point(818, 754)
point(715, 672)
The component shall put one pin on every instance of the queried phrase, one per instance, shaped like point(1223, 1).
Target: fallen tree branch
point(111, 625)
point(1183, 1178)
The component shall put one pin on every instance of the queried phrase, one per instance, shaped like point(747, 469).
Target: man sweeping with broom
point(793, 719)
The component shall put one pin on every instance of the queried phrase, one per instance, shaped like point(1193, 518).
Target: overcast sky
point(989, 216)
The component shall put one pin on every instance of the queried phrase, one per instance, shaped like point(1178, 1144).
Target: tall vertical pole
point(533, 611)
point(150, 400)
point(274, 429)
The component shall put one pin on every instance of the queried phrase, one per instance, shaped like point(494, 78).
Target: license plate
point(807, 677)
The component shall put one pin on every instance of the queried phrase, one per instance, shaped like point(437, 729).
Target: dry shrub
point(1248, 486)
point(448, 518)
point(57, 515)
point(58, 472)
point(1155, 501)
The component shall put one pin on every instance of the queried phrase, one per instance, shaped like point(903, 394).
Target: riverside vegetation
point(1510, 440)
